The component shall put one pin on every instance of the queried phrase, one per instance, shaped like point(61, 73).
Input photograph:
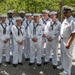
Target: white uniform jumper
point(67, 28)
point(4, 34)
point(52, 30)
point(35, 31)
point(18, 35)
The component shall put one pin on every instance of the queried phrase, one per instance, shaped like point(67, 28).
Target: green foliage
point(33, 5)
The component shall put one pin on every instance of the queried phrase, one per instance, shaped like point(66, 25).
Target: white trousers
point(66, 56)
point(43, 52)
point(27, 48)
point(35, 46)
point(7, 51)
point(43, 43)
point(17, 53)
point(53, 45)
point(11, 44)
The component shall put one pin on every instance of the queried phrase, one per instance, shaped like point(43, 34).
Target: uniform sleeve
point(72, 26)
point(24, 34)
point(14, 34)
point(8, 32)
point(1, 35)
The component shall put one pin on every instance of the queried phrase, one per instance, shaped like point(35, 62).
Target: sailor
point(67, 34)
point(52, 32)
point(27, 39)
point(4, 39)
point(10, 21)
point(18, 32)
point(45, 20)
point(35, 33)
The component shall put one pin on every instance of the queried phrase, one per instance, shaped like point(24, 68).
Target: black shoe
point(9, 63)
point(54, 66)
point(42, 57)
point(30, 64)
point(20, 63)
point(38, 65)
point(45, 63)
point(50, 59)
point(27, 59)
point(0, 63)
point(14, 65)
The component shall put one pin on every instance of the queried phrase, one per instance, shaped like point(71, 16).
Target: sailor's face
point(66, 13)
point(53, 16)
point(18, 22)
point(28, 17)
point(36, 18)
point(22, 15)
point(45, 14)
point(10, 15)
point(3, 18)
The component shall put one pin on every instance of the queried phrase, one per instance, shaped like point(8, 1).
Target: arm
point(1, 35)
point(8, 32)
point(72, 36)
point(14, 34)
point(24, 34)
point(70, 40)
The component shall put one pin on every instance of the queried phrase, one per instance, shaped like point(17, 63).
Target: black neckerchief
point(27, 24)
point(4, 28)
point(19, 30)
point(10, 21)
point(52, 24)
point(22, 21)
point(34, 28)
point(44, 22)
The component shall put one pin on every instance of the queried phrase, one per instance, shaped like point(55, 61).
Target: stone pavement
point(32, 70)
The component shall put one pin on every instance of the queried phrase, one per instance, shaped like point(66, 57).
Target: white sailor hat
point(3, 15)
point(36, 14)
point(21, 11)
point(18, 18)
point(28, 14)
point(10, 11)
point(66, 8)
point(45, 11)
point(53, 12)
point(41, 14)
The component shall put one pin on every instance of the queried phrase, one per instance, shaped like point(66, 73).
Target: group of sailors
point(33, 32)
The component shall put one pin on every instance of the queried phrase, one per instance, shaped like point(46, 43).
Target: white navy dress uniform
point(52, 30)
point(18, 35)
point(35, 31)
point(10, 22)
point(4, 34)
point(44, 23)
point(27, 39)
point(67, 28)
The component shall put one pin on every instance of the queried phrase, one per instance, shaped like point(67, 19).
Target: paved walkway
point(32, 70)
